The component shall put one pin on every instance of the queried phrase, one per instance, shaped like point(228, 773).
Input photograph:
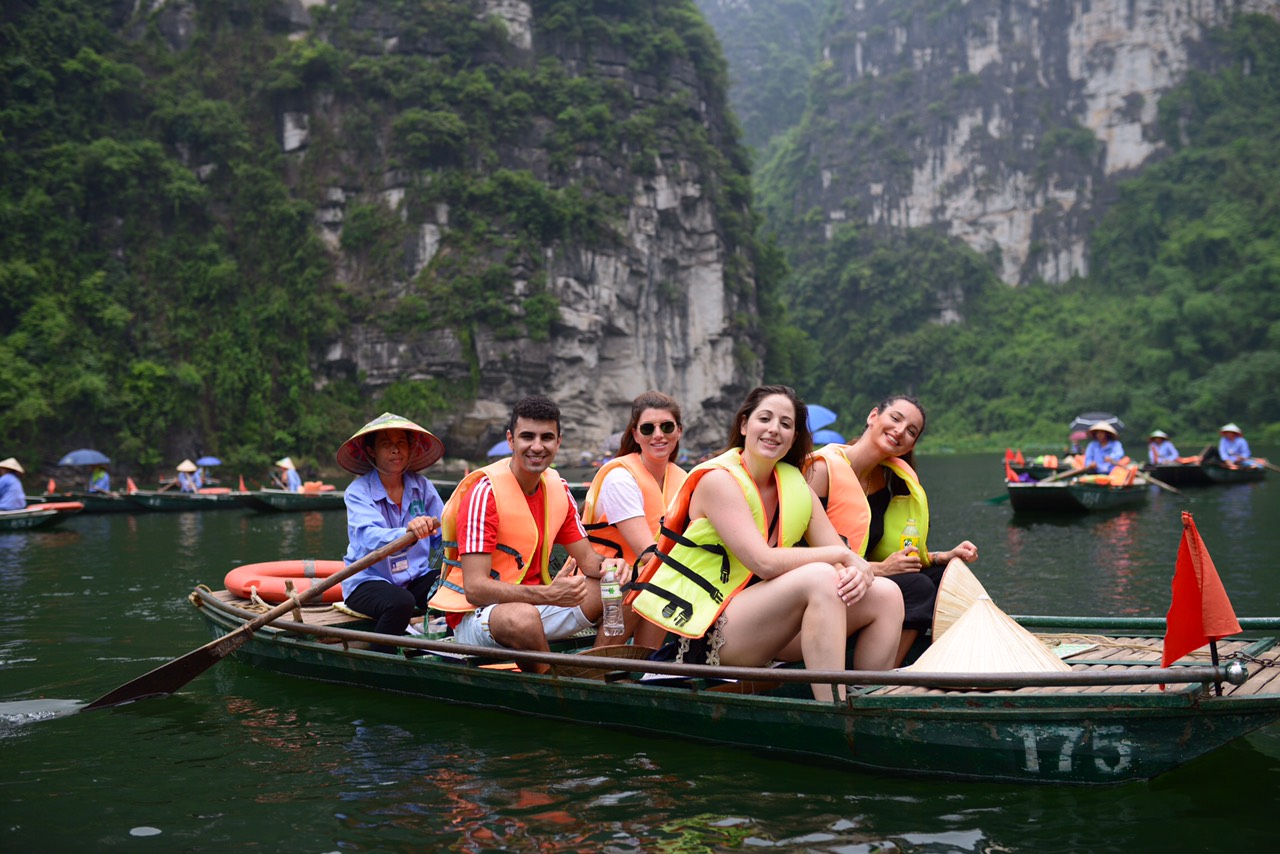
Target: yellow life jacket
point(517, 532)
point(914, 505)
point(692, 577)
point(847, 506)
point(604, 536)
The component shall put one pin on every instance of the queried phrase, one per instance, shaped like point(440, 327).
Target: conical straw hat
point(987, 640)
point(958, 589)
point(11, 464)
point(187, 466)
point(425, 450)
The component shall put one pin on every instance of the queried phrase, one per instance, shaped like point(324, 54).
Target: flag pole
point(1213, 654)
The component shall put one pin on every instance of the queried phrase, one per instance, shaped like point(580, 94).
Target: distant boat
point(1074, 496)
point(1206, 472)
point(283, 501)
point(38, 515)
point(96, 502)
point(211, 498)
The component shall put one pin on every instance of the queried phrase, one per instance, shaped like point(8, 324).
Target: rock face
point(1007, 124)
point(662, 297)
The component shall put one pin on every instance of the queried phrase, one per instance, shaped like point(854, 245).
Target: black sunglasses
point(668, 427)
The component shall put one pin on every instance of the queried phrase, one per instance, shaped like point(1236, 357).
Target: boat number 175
point(1110, 751)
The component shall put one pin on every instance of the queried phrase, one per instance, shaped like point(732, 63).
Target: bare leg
point(801, 604)
point(908, 638)
point(517, 625)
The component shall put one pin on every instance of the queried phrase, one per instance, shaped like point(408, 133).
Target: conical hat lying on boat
point(987, 640)
point(958, 589)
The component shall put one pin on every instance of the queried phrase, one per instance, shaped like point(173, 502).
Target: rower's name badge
point(399, 564)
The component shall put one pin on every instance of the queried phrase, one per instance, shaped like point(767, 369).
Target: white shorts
point(558, 622)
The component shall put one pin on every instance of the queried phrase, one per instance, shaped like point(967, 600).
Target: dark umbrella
point(84, 457)
point(208, 461)
point(1088, 419)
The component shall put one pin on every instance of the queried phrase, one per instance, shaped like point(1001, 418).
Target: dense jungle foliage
point(1177, 327)
point(164, 287)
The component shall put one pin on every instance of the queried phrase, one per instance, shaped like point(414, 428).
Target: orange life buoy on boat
point(269, 579)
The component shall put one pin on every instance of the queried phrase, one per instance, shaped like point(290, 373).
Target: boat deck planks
point(316, 615)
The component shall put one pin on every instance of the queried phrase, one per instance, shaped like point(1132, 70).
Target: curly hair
point(535, 408)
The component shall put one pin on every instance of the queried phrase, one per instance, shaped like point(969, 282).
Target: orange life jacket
point(517, 532)
point(604, 536)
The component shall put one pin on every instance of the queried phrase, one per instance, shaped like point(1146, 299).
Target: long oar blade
point(170, 677)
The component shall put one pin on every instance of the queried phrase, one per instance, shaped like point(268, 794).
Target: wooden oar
point(1266, 464)
point(170, 677)
point(1156, 481)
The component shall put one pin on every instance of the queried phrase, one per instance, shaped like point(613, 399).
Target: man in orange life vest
point(504, 518)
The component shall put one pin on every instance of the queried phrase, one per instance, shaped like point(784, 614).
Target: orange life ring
point(269, 578)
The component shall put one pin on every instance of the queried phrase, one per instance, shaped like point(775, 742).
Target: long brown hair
point(910, 456)
point(801, 448)
point(649, 400)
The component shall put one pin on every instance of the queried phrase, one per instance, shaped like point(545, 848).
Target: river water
point(244, 758)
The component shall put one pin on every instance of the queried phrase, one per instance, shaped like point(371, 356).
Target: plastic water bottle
point(910, 536)
point(611, 598)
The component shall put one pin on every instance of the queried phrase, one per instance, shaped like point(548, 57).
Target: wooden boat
point(1074, 496)
point(1219, 472)
point(1105, 721)
point(38, 515)
point(208, 499)
point(1179, 474)
point(283, 501)
point(96, 502)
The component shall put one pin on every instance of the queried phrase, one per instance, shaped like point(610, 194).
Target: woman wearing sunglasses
point(630, 493)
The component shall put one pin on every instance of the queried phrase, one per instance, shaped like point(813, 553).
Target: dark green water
point(242, 758)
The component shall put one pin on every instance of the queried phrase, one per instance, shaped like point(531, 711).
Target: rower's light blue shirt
point(189, 481)
point(11, 495)
point(292, 481)
point(373, 521)
point(1233, 450)
point(101, 483)
point(1165, 452)
point(1097, 453)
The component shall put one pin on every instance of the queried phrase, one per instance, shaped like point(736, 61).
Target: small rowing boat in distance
point(178, 502)
point(283, 501)
point(1220, 472)
point(38, 515)
point(1074, 496)
point(1179, 474)
point(96, 502)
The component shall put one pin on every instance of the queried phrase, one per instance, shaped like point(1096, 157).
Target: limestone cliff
point(1005, 124)
point(518, 197)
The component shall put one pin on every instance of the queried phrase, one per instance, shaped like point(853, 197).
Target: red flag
point(1199, 611)
point(53, 487)
point(1009, 474)
point(1008, 455)
point(242, 489)
point(1018, 459)
point(129, 483)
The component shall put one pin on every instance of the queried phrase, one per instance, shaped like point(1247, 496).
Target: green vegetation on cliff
point(165, 284)
point(1177, 327)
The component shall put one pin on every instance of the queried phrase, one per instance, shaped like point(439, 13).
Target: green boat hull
point(281, 501)
point(27, 520)
point(1218, 473)
point(1073, 497)
point(180, 502)
point(1049, 737)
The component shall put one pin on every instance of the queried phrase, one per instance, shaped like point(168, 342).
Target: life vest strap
point(711, 590)
point(718, 550)
point(601, 541)
point(674, 602)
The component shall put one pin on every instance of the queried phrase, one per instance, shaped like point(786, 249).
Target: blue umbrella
point(827, 437)
point(208, 461)
point(499, 450)
point(820, 416)
point(84, 457)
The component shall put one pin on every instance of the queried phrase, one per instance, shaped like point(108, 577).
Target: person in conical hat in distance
point(189, 476)
point(872, 494)
point(1160, 450)
point(498, 590)
point(731, 576)
point(289, 478)
point(11, 495)
point(1104, 451)
point(387, 499)
point(1232, 447)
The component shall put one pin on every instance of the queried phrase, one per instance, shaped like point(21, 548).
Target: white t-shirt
point(620, 498)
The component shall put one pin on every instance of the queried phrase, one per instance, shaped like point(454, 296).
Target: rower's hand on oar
point(569, 587)
point(423, 526)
